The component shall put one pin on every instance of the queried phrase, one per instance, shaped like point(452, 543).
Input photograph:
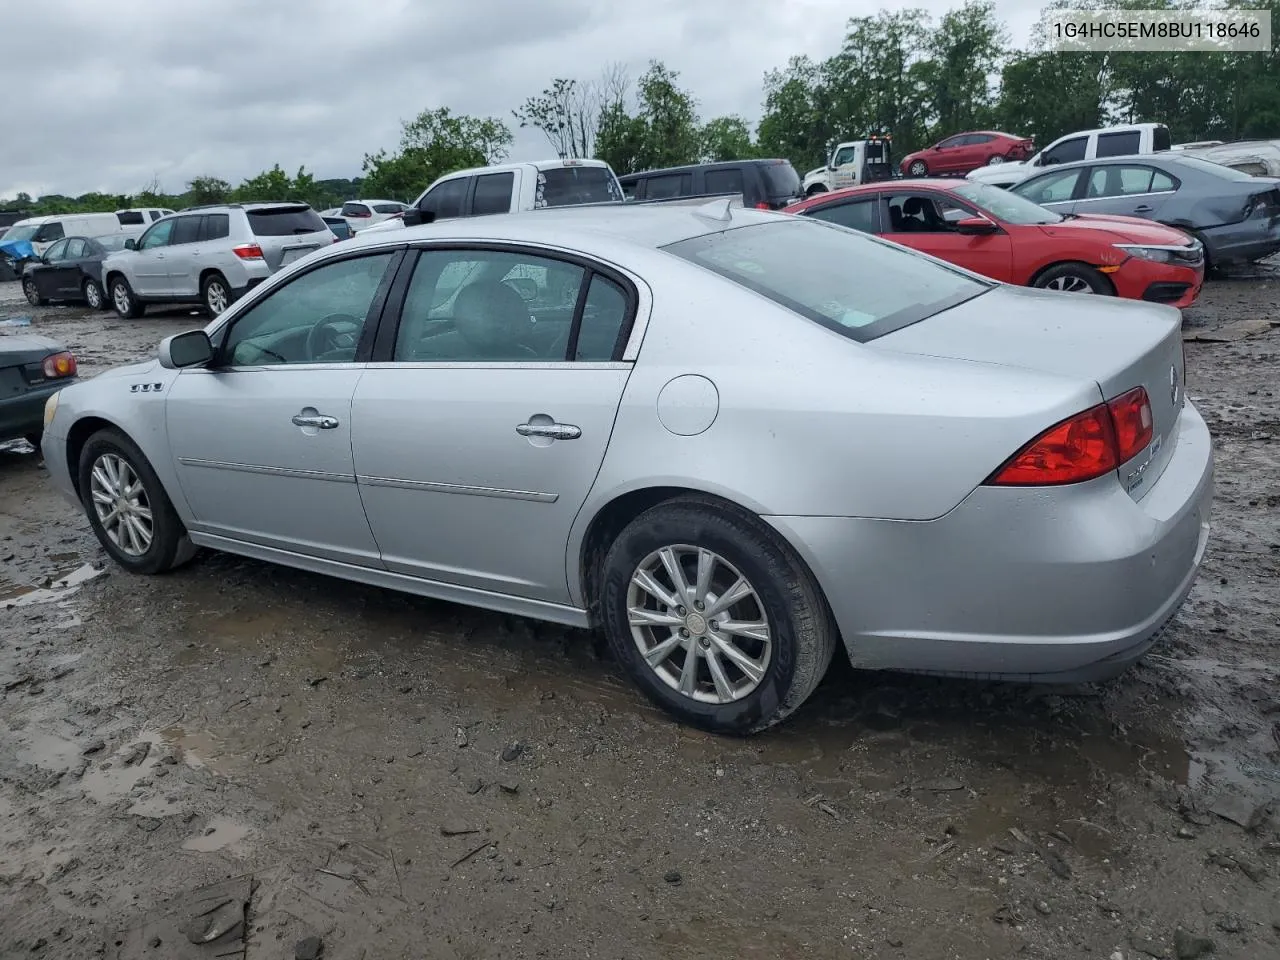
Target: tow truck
point(851, 163)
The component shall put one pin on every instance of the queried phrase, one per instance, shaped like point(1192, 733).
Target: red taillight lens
point(248, 251)
point(1075, 450)
point(59, 365)
point(1131, 413)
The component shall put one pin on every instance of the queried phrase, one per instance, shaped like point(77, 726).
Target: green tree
point(567, 113)
point(434, 143)
point(964, 54)
point(727, 138)
point(207, 189)
point(795, 123)
point(663, 132)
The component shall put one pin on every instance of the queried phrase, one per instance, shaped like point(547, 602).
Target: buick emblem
point(1173, 385)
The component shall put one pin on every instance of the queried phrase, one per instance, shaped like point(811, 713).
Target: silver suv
point(210, 255)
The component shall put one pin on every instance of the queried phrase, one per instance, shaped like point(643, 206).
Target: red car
point(994, 232)
point(966, 151)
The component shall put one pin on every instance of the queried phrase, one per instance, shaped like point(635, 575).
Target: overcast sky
point(115, 93)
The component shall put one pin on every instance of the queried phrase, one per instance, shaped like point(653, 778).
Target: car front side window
point(56, 252)
point(318, 317)
point(157, 236)
point(1055, 187)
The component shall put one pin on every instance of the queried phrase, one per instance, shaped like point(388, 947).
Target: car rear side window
point(780, 180)
point(75, 249)
point(669, 186)
point(493, 193)
point(859, 286)
point(185, 230)
point(1066, 152)
point(604, 317)
point(567, 186)
point(1119, 144)
point(284, 221)
point(1119, 181)
point(216, 226)
point(723, 181)
point(350, 209)
point(855, 214)
point(130, 218)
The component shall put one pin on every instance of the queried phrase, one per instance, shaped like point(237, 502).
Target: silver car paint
point(867, 458)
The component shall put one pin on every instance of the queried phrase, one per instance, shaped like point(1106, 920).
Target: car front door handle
point(321, 421)
point(1144, 208)
point(555, 431)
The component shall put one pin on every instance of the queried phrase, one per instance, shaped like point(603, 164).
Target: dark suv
point(765, 184)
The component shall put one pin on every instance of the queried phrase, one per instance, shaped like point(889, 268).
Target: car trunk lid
point(1116, 344)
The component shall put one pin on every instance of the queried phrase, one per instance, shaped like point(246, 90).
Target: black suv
point(765, 184)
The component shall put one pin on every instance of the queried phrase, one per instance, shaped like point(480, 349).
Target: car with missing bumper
point(210, 255)
point(734, 440)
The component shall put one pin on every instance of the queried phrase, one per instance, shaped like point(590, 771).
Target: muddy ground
point(343, 750)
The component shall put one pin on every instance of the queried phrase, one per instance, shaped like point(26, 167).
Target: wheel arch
point(612, 516)
point(1068, 262)
point(77, 436)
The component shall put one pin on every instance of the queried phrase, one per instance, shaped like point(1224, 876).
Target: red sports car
point(965, 152)
point(994, 232)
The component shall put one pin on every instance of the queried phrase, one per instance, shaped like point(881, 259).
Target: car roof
point(1162, 156)
point(582, 226)
point(690, 167)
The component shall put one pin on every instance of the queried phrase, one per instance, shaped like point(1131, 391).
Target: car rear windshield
point(1214, 169)
point(856, 285)
point(780, 180)
point(1003, 205)
point(567, 186)
point(284, 221)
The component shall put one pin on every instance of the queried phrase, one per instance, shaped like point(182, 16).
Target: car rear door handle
point(556, 431)
point(1144, 208)
point(320, 420)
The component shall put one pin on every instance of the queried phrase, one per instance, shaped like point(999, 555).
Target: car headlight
point(50, 408)
point(1155, 254)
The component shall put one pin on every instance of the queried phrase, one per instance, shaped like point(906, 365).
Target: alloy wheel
point(216, 298)
point(699, 624)
point(1069, 283)
point(93, 295)
point(121, 503)
point(32, 294)
point(120, 298)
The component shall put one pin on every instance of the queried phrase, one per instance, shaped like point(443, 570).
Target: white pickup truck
point(1083, 145)
point(510, 188)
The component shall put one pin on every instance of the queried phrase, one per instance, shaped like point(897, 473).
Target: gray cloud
point(154, 88)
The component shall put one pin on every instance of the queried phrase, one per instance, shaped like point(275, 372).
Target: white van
point(42, 232)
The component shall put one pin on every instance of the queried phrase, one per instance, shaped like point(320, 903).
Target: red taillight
point(248, 251)
point(1131, 413)
point(59, 365)
point(1082, 447)
point(762, 206)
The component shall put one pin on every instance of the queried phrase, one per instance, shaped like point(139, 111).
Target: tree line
point(899, 72)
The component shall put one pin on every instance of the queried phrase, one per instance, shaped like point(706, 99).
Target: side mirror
point(413, 217)
point(131, 244)
point(188, 349)
point(937, 146)
point(976, 226)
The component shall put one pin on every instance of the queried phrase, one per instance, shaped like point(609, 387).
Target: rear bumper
point(1249, 240)
point(24, 413)
point(1063, 584)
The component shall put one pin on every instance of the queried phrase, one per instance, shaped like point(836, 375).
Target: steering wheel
point(337, 331)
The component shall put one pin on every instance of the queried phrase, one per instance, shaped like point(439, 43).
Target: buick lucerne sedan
point(733, 440)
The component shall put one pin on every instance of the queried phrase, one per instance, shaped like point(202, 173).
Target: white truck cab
point(1120, 141)
point(851, 163)
point(510, 188)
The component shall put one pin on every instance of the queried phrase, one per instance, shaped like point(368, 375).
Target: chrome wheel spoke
point(753, 670)
point(706, 567)
point(689, 673)
point(671, 564)
point(724, 689)
point(642, 616)
point(645, 582)
point(735, 594)
point(662, 651)
point(751, 629)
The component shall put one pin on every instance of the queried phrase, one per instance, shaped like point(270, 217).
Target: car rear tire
point(994, 160)
point(697, 578)
point(123, 300)
point(94, 296)
point(32, 294)
point(1074, 278)
point(918, 168)
point(215, 293)
point(128, 508)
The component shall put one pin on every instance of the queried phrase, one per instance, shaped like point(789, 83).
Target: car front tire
point(127, 507)
point(994, 159)
point(1074, 278)
point(918, 168)
point(713, 617)
point(123, 300)
point(32, 293)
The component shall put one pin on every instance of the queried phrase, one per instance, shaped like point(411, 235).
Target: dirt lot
point(343, 750)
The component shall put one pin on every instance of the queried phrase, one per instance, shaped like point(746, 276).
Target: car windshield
point(854, 284)
point(21, 233)
point(1213, 169)
point(568, 186)
point(113, 241)
point(1003, 205)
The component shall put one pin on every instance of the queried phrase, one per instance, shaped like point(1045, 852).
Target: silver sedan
point(733, 440)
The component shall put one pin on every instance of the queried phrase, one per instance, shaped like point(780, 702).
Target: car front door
point(948, 155)
point(1128, 189)
point(45, 271)
point(926, 221)
point(859, 213)
point(1056, 190)
point(261, 438)
point(149, 266)
point(846, 165)
point(481, 425)
point(183, 256)
point(67, 270)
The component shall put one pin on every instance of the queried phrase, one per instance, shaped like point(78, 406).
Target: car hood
point(26, 348)
point(999, 171)
point(1123, 229)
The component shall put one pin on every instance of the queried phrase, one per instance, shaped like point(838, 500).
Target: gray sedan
point(1236, 216)
point(734, 440)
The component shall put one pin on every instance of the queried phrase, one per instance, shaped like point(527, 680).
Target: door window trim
point(625, 349)
point(875, 199)
point(1083, 185)
point(372, 322)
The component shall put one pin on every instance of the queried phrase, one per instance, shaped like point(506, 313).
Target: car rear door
point(183, 257)
point(477, 432)
point(1126, 189)
point(949, 155)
